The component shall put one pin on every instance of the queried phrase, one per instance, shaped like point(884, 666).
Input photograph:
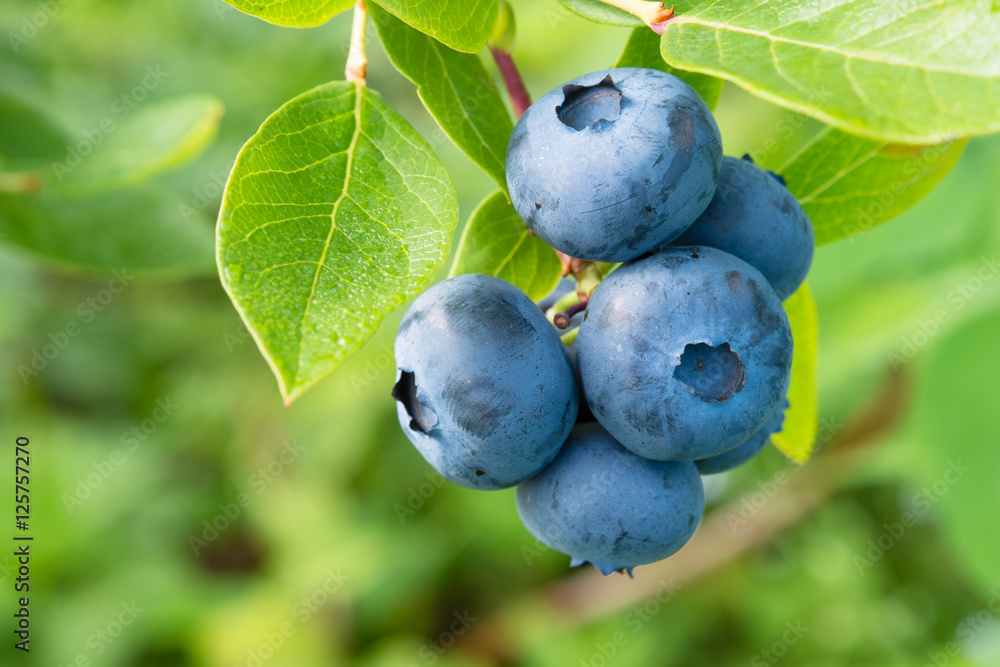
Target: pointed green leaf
point(139, 229)
point(918, 73)
point(455, 87)
point(797, 437)
point(497, 243)
point(599, 12)
point(335, 213)
point(643, 50)
point(464, 25)
point(292, 13)
point(847, 184)
point(159, 137)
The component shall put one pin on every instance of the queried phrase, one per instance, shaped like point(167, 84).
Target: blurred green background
point(183, 516)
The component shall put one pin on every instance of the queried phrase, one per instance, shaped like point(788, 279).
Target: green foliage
point(28, 137)
point(597, 11)
point(140, 229)
point(157, 138)
point(292, 13)
point(496, 242)
point(336, 211)
point(643, 50)
point(896, 72)
point(455, 87)
point(464, 25)
point(848, 184)
point(798, 433)
point(957, 426)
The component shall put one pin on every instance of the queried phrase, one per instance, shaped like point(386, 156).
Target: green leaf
point(847, 184)
point(957, 427)
point(292, 13)
point(139, 229)
point(29, 139)
point(335, 213)
point(919, 73)
point(464, 25)
point(599, 12)
point(497, 243)
point(643, 50)
point(157, 138)
point(457, 90)
point(797, 437)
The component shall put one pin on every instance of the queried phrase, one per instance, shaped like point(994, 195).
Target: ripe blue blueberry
point(684, 354)
point(614, 163)
point(749, 449)
point(756, 218)
point(484, 387)
point(600, 503)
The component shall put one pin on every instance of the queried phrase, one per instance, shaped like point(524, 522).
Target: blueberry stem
point(520, 99)
point(562, 320)
point(357, 62)
point(569, 337)
point(653, 14)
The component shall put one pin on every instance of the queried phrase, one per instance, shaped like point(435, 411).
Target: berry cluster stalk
point(357, 63)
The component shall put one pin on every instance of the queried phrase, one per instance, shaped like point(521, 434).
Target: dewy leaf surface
point(292, 13)
point(848, 184)
point(336, 212)
point(496, 242)
point(456, 89)
point(463, 25)
point(797, 437)
point(643, 50)
point(907, 71)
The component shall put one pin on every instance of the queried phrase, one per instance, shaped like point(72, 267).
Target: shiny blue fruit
point(484, 387)
point(614, 163)
point(684, 354)
point(600, 503)
point(756, 218)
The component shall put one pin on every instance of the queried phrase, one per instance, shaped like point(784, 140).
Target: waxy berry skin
point(684, 354)
point(600, 503)
point(485, 389)
point(614, 163)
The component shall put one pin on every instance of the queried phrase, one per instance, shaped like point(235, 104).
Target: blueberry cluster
point(682, 355)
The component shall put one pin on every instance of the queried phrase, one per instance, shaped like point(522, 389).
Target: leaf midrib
point(333, 222)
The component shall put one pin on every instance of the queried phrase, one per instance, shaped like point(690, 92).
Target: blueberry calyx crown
point(584, 106)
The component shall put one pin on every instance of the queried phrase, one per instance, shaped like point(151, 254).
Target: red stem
point(519, 97)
